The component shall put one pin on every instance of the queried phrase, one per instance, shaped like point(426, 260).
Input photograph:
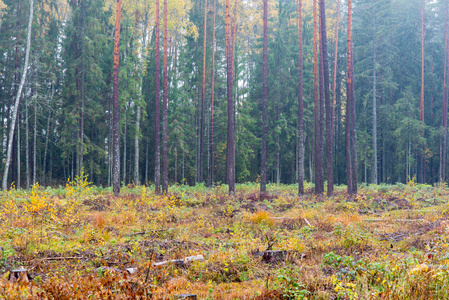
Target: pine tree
point(329, 129)
point(230, 158)
point(263, 166)
point(164, 109)
point(115, 117)
point(301, 105)
point(212, 146)
point(203, 94)
point(157, 163)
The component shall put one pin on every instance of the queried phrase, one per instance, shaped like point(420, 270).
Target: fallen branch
point(55, 258)
point(308, 223)
point(147, 231)
point(282, 218)
point(399, 220)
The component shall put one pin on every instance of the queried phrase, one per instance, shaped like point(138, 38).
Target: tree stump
point(19, 274)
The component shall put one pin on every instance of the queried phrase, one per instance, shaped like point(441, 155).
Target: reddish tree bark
point(445, 101)
point(422, 162)
point(212, 148)
point(349, 101)
point(164, 109)
point(334, 81)
point(81, 134)
point(203, 93)
point(230, 154)
point(319, 185)
point(263, 166)
point(301, 105)
point(115, 106)
point(316, 100)
point(157, 162)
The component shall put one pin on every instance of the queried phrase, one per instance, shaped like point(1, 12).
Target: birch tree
point(17, 102)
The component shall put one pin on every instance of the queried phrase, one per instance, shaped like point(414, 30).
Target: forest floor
point(81, 242)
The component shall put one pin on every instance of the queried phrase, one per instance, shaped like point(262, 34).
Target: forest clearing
point(81, 242)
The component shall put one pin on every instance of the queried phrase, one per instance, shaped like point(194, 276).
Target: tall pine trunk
point(329, 129)
point(319, 186)
point(445, 100)
point(136, 149)
point(318, 154)
point(203, 94)
point(374, 166)
point(157, 160)
point(230, 158)
point(18, 150)
point(263, 166)
point(81, 134)
point(164, 109)
point(234, 73)
point(353, 125)
point(115, 106)
point(421, 115)
point(334, 80)
point(212, 149)
point(27, 147)
point(301, 106)
point(349, 102)
point(35, 142)
point(17, 102)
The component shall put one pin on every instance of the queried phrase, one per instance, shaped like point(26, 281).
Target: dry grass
point(77, 242)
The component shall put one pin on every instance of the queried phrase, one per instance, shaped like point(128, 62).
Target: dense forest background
point(65, 116)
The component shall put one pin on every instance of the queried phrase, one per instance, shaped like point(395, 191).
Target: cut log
point(186, 296)
point(180, 262)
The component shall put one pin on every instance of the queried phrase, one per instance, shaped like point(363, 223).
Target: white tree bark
point(17, 102)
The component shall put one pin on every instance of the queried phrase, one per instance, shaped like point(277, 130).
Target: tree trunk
point(212, 149)
point(18, 151)
point(157, 160)
point(445, 99)
point(230, 158)
point(146, 163)
point(349, 102)
point(374, 166)
point(27, 147)
point(203, 94)
point(334, 81)
point(115, 117)
point(301, 106)
point(17, 102)
point(47, 138)
point(125, 125)
point(278, 117)
point(234, 73)
point(164, 109)
point(329, 128)
point(83, 26)
point(316, 100)
point(35, 141)
point(421, 115)
point(353, 125)
point(136, 149)
point(319, 185)
point(263, 167)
